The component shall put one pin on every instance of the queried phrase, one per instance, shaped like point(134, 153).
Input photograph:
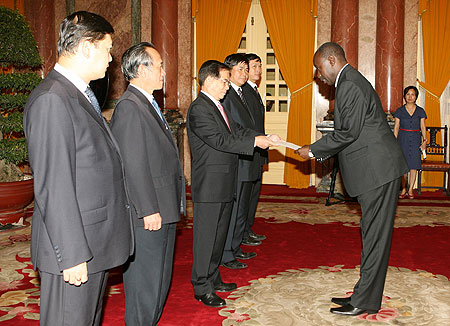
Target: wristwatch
point(310, 154)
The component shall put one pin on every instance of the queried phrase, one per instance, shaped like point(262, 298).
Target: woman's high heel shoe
point(405, 195)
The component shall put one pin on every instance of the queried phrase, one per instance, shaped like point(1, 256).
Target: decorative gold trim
point(301, 88)
point(428, 91)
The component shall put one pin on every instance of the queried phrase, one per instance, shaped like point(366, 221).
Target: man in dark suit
point(249, 168)
point(371, 163)
point(81, 221)
point(155, 182)
point(215, 141)
point(256, 106)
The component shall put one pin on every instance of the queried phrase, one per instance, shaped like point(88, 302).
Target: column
point(344, 31)
point(344, 28)
point(390, 53)
point(41, 16)
point(165, 39)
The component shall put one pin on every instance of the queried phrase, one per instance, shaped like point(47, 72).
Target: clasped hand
point(266, 141)
point(152, 222)
point(76, 275)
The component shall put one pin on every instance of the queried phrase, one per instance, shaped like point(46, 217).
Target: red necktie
point(224, 115)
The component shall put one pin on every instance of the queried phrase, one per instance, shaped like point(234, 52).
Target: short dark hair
point(252, 56)
point(81, 25)
point(235, 59)
point(406, 90)
point(331, 48)
point(135, 56)
point(210, 68)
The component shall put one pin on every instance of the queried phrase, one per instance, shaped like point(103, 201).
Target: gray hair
point(135, 56)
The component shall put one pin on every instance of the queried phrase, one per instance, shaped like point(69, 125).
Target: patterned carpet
point(276, 294)
point(302, 297)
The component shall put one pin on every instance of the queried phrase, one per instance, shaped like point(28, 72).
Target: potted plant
point(19, 59)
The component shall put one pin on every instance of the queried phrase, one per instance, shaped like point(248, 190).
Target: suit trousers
point(378, 212)
point(63, 304)
point(238, 221)
point(147, 275)
point(211, 221)
point(253, 204)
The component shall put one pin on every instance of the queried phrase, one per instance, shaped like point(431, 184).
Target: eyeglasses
point(225, 81)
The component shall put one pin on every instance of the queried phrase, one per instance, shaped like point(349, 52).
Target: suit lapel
point(238, 102)
point(216, 112)
point(82, 101)
point(152, 111)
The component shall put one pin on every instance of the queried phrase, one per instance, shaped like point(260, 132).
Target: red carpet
point(288, 246)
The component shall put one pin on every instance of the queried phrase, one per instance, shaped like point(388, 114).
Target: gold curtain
point(291, 25)
point(436, 59)
point(219, 26)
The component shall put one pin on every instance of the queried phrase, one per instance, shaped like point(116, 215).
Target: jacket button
point(127, 206)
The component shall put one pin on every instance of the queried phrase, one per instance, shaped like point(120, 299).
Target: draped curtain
point(436, 60)
point(291, 26)
point(219, 26)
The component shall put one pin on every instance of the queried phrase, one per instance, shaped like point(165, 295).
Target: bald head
point(329, 60)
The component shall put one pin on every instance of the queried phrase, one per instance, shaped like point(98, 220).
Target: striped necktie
point(90, 94)
point(241, 96)
point(259, 96)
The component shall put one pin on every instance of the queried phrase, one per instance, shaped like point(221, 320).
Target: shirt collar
point(252, 84)
point(73, 78)
point(216, 102)
point(145, 93)
point(339, 75)
point(235, 87)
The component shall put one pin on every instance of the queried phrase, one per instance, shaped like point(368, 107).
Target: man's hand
point(303, 152)
point(263, 142)
point(76, 275)
point(274, 138)
point(152, 222)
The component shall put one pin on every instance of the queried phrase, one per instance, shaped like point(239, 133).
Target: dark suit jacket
point(369, 154)
point(249, 168)
point(214, 149)
point(81, 210)
point(258, 112)
point(152, 166)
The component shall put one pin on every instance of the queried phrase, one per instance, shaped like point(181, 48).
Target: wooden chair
point(434, 149)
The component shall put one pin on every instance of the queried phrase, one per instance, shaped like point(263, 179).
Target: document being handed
point(287, 144)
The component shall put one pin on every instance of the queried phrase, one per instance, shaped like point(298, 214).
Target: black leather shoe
point(341, 301)
point(235, 264)
point(211, 300)
point(255, 236)
point(225, 287)
point(246, 255)
point(349, 310)
point(251, 242)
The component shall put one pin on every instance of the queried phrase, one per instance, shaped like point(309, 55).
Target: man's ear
point(207, 81)
point(332, 60)
point(85, 48)
point(143, 70)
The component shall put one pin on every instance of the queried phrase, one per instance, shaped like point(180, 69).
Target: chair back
point(433, 148)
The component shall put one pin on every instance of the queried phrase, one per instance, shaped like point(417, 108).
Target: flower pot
point(14, 197)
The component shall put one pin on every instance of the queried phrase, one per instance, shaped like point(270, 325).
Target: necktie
point(241, 96)
point(90, 94)
point(224, 115)
point(158, 110)
point(259, 96)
